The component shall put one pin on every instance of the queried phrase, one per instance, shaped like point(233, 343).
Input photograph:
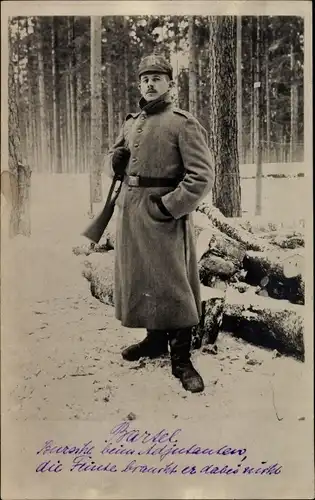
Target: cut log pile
point(252, 275)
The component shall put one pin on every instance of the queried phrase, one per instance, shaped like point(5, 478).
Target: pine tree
point(223, 119)
point(96, 110)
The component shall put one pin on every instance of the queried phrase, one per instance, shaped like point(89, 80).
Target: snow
point(62, 347)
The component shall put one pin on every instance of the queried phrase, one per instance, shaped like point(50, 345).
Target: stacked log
point(252, 286)
point(282, 267)
point(99, 271)
point(283, 281)
point(267, 322)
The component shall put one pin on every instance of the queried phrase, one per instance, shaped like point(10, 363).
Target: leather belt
point(139, 181)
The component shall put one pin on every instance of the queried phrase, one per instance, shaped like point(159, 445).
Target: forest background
point(71, 73)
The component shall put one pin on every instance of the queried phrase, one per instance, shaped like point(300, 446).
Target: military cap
point(155, 64)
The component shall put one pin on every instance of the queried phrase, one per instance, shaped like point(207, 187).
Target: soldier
point(168, 169)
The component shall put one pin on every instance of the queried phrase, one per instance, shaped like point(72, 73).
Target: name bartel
point(161, 445)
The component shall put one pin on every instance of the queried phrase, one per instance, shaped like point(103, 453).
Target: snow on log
point(223, 246)
point(224, 250)
point(211, 265)
point(284, 270)
point(287, 241)
point(258, 224)
point(275, 324)
point(233, 229)
point(283, 235)
point(99, 271)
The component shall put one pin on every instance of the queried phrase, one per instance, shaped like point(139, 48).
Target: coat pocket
point(155, 212)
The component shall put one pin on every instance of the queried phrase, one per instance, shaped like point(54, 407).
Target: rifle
point(96, 229)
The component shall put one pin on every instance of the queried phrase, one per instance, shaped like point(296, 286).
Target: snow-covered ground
point(61, 347)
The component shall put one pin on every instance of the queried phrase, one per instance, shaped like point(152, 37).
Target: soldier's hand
point(157, 199)
point(120, 159)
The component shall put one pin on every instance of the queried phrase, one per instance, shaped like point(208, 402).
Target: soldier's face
point(153, 85)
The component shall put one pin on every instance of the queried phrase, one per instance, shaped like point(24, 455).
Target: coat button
point(136, 145)
point(134, 160)
point(139, 130)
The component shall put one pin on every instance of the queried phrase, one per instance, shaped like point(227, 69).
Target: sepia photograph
point(156, 243)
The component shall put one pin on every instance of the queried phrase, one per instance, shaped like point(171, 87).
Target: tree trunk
point(21, 111)
point(96, 110)
point(63, 127)
point(30, 105)
point(17, 83)
point(19, 176)
point(267, 92)
point(42, 100)
point(199, 87)
point(20, 221)
point(68, 125)
point(87, 128)
point(252, 79)
point(126, 72)
point(79, 134)
point(294, 108)
point(239, 89)
point(121, 106)
point(110, 105)
point(71, 36)
point(223, 119)
point(36, 138)
point(56, 97)
point(192, 67)
point(257, 118)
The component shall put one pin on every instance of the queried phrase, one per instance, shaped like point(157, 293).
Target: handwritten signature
point(124, 440)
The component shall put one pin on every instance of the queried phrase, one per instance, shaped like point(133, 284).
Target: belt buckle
point(133, 180)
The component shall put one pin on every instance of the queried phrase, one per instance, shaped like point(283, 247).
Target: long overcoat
point(156, 273)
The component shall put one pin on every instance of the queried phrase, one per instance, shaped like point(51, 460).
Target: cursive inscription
point(123, 432)
point(128, 444)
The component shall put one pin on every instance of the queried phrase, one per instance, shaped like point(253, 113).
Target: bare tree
point(79, 134)
point(267, 91)
point(72, 87)
point(18, 178)
point(110, 104)
point(257, 117)
point(96, 111)
point(294, 105)
point(41, 97)
point(223, 115)
point(56, 97)
point(239, 87)
point(192, 67)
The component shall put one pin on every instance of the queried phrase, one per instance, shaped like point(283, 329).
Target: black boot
point(182, 368)
point(153, 346)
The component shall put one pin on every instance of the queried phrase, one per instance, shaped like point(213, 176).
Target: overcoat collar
point(152, 107)
point(159, 104)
